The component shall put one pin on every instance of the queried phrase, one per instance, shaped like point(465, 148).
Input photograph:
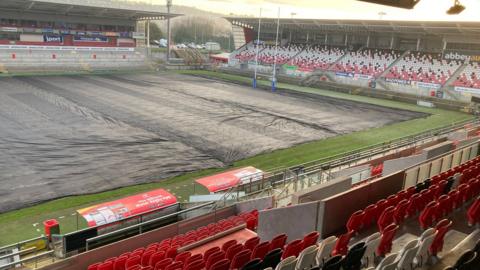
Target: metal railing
point(35, 259)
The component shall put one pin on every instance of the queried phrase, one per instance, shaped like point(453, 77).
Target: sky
point(335, 9)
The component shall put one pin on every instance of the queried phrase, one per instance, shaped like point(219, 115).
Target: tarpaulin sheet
point(130, 206)
point(230, 179)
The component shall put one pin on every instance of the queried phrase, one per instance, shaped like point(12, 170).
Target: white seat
point(371, 244)
point(422, 253)
point(325, 249)
point(306, 259)
point(287, 264)
point(426, 234)
point(388, 263)
point(407, 255)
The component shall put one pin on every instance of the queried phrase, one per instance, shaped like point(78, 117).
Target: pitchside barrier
point(363, 91)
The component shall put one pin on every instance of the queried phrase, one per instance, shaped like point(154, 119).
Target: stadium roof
point(87, 8)
point(365, 26)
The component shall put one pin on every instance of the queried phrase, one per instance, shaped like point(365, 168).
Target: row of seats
point(284, 53)
point(247, 52)
point(424, 67)
point(470, 77)
point(317, 57)
point(157, 253)
point(366, 62)
point(434, 200)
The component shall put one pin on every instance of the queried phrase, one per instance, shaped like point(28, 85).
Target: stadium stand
point(317, 57)
point(284, 54)
point(370, 62)
point(62, 60)
point(246, 52)
point(424, 67)
point(470, 76)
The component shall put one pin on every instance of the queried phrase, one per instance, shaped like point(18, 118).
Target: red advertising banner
point(109, 212)
point(230, 179)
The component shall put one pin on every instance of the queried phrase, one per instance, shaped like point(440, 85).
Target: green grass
point(18, 225)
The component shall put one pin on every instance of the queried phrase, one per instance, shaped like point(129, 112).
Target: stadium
point(313, 144)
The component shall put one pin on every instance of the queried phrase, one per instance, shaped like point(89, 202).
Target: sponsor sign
point(462, 56)
point(47, 30)
point(344, 74)
point(398, 81)
point(226, 180)
point(90, 39)
point(467, 90)
point(362, 77)
point(109, 212)
point(66, 48)
point(138, 35)
point(427, 85)
point(111, 34)
point(425, 104)
point(56, 39)
point(9, 29)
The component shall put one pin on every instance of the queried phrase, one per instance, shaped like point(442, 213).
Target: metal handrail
point(21, 262)
point(140, 225)
point(22, 242)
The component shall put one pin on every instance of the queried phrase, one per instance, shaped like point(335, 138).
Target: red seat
point(411, 191)
point(136, 267)
point(251, 223)
point(402, 195)
point(183, 256)
point(392, 200)
point(310, 239)
point(233, 250)
point(172, 252)
point(381, 206)
point(209, 252)
point(119, 263)
point(341, 246)
point(474, 187)
point(400, 211)
point(454, 194)
point(196, 265)
point(228, 244)
point(426, 197)
point(193, 258)
point(442, 228)
point(278, 241)
point(355, 221)
point(220, 265)
point(93, 266)
point(106, 266)
point(293, 248)
point(261, 250)
point(161, 265)
point(414, 205)
point(436, 192)
point(134, 260)
point(444, 206)
point(385, 245)
point(370, 214)
point(215, 257)
point(251, 243)
point(473, 213)
point(174, 266)
point(429, 215)
point(465, 195)
point(146, 257)
point(242, 258)
point(386, 218)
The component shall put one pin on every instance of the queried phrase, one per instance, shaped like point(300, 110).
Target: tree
point(155, 32)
